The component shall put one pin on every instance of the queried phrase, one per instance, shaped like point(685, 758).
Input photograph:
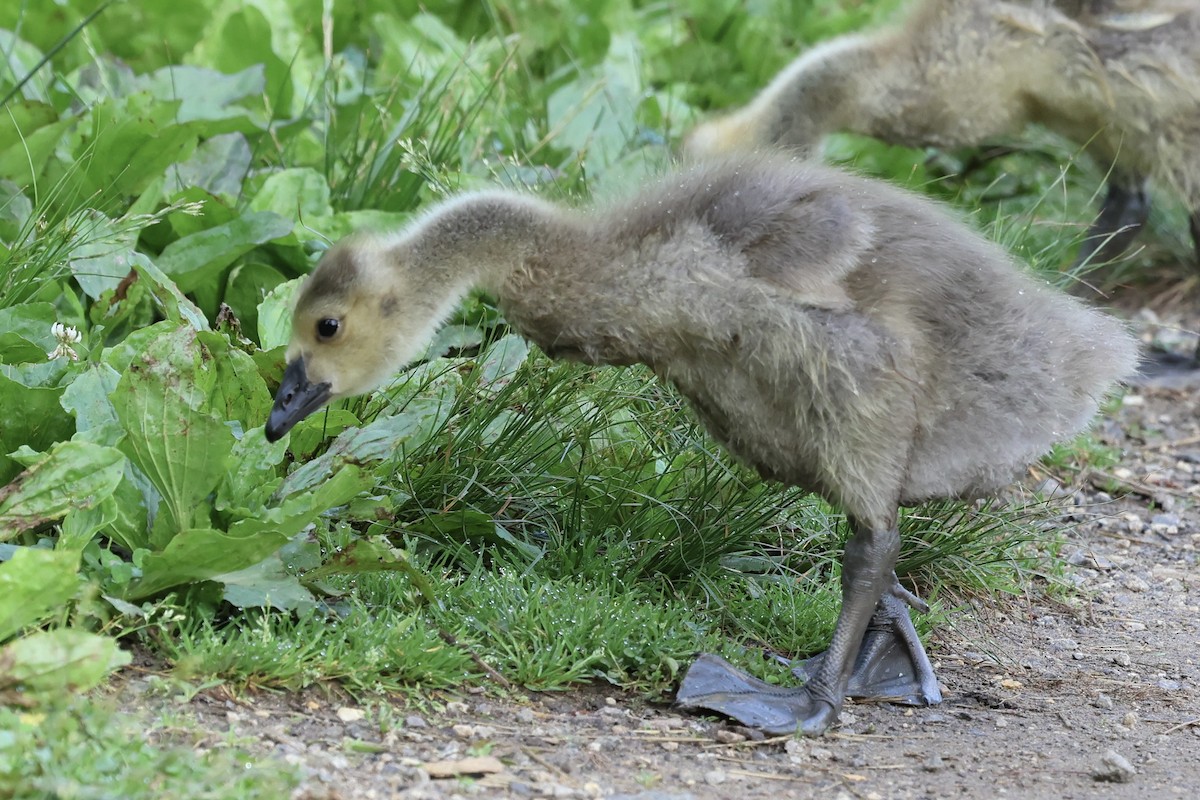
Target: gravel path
point(1098, 697)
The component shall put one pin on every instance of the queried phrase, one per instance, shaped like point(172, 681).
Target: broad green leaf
point(342, 224)
point(176, 307)
point(203, 93)
point(16, 349)
point(31, 321)
point(15, 210)
point(26, 159)
point(125, 143)
point(141, 34)
point(311, 434)
point(21, 118)
point(58, 661)
point(248, 284)
point(132, 497)
point(219, 166)
point(451, 338)
point(275, 315)
point(105, 257)
point(31, 416)
point(238, 391)
point(374, 554)
point(34, 583)
point(300, 509)
point(122, 354)
point(501, 362)
point(246, 33)
point(80, 525)
point(273, 582)
point(267, 584)
point(299, 193)
point(594, 113)
point(86, 398)
point(194, 259)
point(372, 442)
point(72, 475)
point(172, 433)
point(250, 479)
point(201, 553)
point(21, 59)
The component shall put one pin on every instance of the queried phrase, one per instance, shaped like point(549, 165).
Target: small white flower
point(66, 336)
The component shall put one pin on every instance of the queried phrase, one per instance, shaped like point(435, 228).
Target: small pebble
point(729, 737)
point(933, 763)
point(1130, 720)
point(463, 731)
point(1134, 584)
point(1103, 701)
point(1061, 645)
point(1115, 768)
point(1168, 684)
point(1122, 659)
point(415, 721)
point(714, 777)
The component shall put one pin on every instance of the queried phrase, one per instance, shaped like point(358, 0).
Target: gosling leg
point(892, 664)
point(1122, 216)
point(1195, 225)
point(1159, 367)
point(712, 683)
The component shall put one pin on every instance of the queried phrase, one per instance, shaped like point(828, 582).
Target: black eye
point(327, 328)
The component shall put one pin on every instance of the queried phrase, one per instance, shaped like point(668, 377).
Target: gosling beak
point(295, 400)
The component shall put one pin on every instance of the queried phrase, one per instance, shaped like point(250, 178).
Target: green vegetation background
point(168, 171)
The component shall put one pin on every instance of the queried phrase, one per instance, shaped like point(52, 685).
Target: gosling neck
point(480, 239)
point(821, 92)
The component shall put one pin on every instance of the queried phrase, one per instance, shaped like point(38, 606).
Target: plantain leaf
point(73, 475)
point(373, 442)
point(205, 554)
point(172, 435)
point(34, 583)
point(200, 257)
point(54, 661)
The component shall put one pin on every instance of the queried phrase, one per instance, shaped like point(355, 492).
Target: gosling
point(832, 332)
point(1119, 77)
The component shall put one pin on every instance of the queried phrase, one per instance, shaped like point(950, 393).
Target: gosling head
point(368, 309)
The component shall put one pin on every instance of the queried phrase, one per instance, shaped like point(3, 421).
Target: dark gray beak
point(295, 400)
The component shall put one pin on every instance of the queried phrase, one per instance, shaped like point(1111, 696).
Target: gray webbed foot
point(712, 683)
point(891, 665)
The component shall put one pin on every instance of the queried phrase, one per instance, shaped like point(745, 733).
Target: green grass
point(489, 511)
point(91, 750)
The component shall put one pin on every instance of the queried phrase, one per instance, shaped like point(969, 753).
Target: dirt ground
point(1097, 697)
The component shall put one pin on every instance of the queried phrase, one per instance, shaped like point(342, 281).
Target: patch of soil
point(1043, 700)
